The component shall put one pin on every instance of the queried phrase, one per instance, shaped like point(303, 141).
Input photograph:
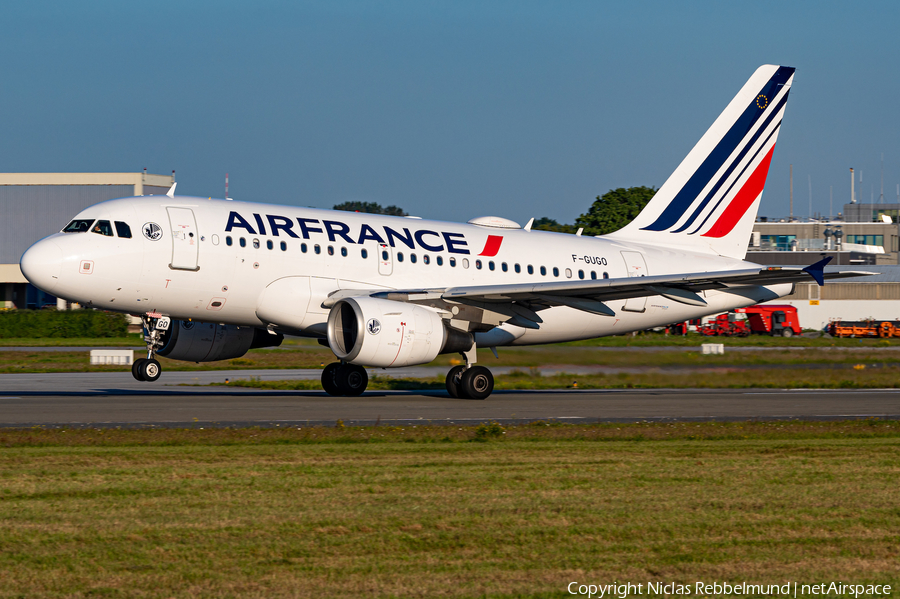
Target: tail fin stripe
point(714, 161)
point(738, 178)
point(743, 200)
point(734, 164)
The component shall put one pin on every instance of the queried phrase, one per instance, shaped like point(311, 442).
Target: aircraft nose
point(41, 264)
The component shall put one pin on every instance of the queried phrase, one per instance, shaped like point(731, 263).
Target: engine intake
point(385, 333)
point(206, 342)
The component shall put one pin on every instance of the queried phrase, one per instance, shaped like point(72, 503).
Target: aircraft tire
point(476, 383)
point(352, 380)
point(136, 369)
point(329, 379)
point(150, 370)
point(453, 380)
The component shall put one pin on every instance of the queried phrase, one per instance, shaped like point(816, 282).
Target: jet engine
point(386, 333)
point(205, 342)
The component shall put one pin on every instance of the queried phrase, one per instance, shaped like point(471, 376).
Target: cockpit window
point(123, 230)
point(78, 226)
point(103, 228)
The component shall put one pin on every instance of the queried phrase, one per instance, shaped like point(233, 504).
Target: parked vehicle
point(864, 328)
point(772, 319)
point(766, 319)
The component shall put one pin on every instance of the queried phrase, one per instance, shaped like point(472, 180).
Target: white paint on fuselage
point(135, 275)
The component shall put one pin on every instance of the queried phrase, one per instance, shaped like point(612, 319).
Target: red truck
point(772, 319)
point(767, 319)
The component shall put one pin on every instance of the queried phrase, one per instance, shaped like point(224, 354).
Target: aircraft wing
point(520, 302)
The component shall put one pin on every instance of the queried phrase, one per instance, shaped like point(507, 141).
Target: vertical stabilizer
point(710, 202)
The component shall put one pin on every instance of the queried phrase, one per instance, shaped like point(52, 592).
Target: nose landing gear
point(148, 369)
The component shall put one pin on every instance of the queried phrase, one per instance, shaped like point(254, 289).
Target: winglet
point(171, 192)
point(528, 226)
point(817, 270)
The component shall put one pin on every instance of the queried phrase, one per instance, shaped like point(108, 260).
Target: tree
point(614, 209)
point(370, 208)
point(548, 224)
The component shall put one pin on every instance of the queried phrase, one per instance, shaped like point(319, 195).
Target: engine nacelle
point(205, 342)
point(388, 334)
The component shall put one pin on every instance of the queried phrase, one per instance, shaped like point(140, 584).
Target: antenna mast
point(226, 186)
point(791, 215)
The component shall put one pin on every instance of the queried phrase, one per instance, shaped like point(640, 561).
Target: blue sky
point(448, 109)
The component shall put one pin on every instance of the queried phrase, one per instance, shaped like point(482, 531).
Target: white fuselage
point(209, 265)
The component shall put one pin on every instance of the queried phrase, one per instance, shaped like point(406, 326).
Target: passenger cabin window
point(78, 226)
point(465, 262)
point(228, 240)
point(256, 244)
point(439, 260)
point(269, 244)
point(317, 248)
point(243, 242)
point(555, 272)
point(344, 252)
point(544, 271)
point(284, 246)
point(364, 253)
point(426, 259)
point(606, 275)
point(453, 262)
point(303, 247)
point(412, 258)
point(103, 228)
point(123, 230)
point(518, 268)
point(530, 269)
point(478, 264)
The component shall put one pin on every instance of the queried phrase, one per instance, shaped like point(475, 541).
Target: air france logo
point(373, 326)
point(152, 231)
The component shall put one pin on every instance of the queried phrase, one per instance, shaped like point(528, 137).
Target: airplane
point(212, 279)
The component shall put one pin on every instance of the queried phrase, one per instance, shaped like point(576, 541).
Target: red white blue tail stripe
point(714, 193)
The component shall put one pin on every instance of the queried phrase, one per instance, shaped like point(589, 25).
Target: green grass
point(444, 511)
point(646, 339)
point(316, 356)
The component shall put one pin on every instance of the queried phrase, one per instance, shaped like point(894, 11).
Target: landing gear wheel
point(136, 369)
point(453, 380)
point(329, 379)
point(787, 332)
point(352, 380)
point(149, 370)
point(476, 383)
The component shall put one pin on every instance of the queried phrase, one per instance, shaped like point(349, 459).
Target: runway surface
point(115, 399)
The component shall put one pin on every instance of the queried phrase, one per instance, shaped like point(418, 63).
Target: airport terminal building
point(35, 205)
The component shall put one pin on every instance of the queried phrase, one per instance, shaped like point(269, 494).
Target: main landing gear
point(344, 379)
point(148, 369)
point(470, 381)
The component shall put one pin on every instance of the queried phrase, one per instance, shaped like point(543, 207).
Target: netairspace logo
point(726, 589)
